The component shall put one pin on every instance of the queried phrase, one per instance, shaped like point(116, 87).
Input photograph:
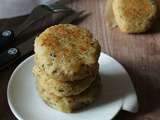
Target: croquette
point(135, 16)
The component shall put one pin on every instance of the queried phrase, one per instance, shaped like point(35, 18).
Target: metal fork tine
point(31, 18)
point(72, 17)
point(64, 1)
point(40, 12)
point(81, 18)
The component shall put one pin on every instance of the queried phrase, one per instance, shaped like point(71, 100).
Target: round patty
point(134, 16)
point(61, 88)
point(70, 103)
point(67, 52)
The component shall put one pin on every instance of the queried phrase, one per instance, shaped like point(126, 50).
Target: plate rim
point(17, 115)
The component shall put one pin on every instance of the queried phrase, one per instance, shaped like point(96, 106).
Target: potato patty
point(62, 88)
point(70, 103)
point(134, 16)
point(67, 52)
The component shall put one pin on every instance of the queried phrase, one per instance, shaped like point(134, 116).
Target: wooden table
point(139, 54)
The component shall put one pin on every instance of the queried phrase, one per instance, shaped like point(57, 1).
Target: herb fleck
point(92, 43)
point(60, 90)
point(43, 66)
point(52, 55)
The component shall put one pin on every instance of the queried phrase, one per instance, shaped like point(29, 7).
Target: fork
point(40, 12)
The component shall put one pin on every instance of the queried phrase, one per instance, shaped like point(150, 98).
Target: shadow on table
point(155, 27)
point(147, 87)
point(114, 88)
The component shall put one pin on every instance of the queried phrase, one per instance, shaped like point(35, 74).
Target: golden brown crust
point(134, 16)
point(134, 8)
point(66, 50)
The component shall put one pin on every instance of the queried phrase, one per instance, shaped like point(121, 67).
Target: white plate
point(26, 104)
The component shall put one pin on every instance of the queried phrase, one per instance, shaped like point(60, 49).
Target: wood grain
point(138, 53)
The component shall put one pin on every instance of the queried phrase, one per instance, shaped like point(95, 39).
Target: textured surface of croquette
point(62, 88)
point(134, 16)
point(67, 52)
point(70, 103)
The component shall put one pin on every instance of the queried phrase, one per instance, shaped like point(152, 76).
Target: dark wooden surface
point(139, 54)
